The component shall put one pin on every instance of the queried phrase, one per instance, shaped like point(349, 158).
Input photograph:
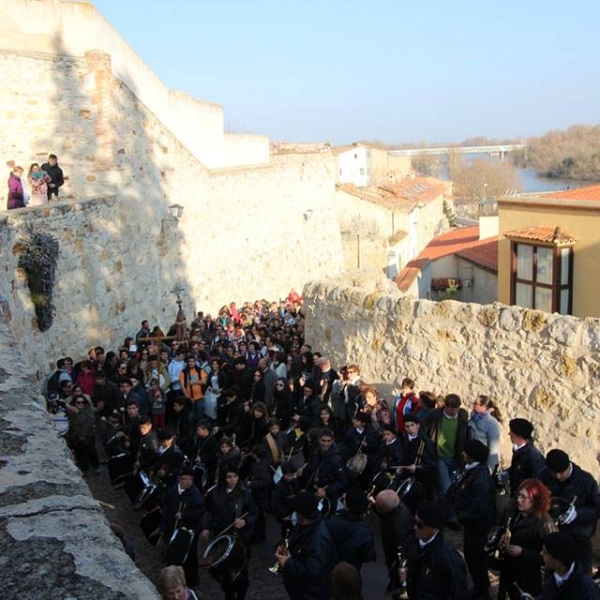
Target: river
point(530, 180)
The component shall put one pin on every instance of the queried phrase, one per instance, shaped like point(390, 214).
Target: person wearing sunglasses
point(434, 569)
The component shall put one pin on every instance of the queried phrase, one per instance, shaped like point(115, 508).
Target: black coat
point(396, 531)
point(473, 497)
point(427, 464)
point(526, 463)
point(352, 537)
point(390, 454)
point(261, 483)
point(326, 469)
point(224, 508)
point(437, 572)
point(191, 505)
point(307, 574)
point(281, 498)
point(583, 485)
point(148, 450)
point(283, 406)
point(206, 451)
point(578, 587)
point(528, 532)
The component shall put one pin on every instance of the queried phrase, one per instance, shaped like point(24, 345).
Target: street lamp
point(176, 210)
point(485, 191)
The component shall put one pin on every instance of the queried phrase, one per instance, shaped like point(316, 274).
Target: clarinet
point(402, 592)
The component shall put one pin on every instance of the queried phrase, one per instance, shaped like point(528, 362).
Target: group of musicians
point(319, 456)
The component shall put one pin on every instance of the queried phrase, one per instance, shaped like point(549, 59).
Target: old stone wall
point(540, 366)
point(53, 534)
point(75, 28)
point(245, 232)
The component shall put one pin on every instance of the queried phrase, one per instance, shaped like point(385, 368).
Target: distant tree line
point(573, 153)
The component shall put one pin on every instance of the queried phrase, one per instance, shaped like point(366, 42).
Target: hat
point(477, 450)
point(363, 417)
point(186, 471)
point(356, 501)
point(411, 418)
point(431, 514)
point(560, 547)
point(557, 460)
point(521, 427)
point(165, 434)
point(306, 504)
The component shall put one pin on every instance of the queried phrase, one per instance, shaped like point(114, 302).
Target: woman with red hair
point(530, 523)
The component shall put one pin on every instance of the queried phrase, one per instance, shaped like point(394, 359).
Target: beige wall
point(74, 28)
point(581, 220)
point(243, 233)
point(531, 363)
point(246, 149)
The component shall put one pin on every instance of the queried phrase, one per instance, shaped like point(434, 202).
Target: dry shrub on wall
point(39, 260)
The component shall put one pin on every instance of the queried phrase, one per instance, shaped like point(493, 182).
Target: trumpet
point(498, 541)
point(285, 550)
point(402, 592)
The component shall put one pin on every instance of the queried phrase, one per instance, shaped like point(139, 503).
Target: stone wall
point(75, 28)
point(536, 365)
point(53, 534)
point(246, 232)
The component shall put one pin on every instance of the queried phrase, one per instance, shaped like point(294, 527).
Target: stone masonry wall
point(245, 232)
point(544, 367)
point(54, 538)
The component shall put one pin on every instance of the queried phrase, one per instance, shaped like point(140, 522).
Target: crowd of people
point(38, 187)
point(239, 420)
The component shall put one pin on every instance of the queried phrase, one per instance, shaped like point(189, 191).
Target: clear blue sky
point(394, 70)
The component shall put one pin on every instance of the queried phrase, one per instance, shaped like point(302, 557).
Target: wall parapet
point(48, 518)
point(540, 366)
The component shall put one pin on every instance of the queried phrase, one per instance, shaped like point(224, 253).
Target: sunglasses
point(79, 402)
point(419, 524)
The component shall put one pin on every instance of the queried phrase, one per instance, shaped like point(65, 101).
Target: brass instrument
point(498, 541)
point(285, 550)
point(566, 516)
point(402, 592)
point(522, 595)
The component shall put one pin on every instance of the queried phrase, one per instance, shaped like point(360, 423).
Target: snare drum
point(150, 523)
point(135, 485)
point(120, 468)
point(403, 487)
point(381, 481)
point(179, 546)
point(226, 556)
point(200, 476)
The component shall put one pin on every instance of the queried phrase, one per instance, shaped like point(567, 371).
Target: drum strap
point(272, 447)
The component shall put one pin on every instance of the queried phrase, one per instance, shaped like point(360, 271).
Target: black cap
point(186, 471)
point(165, 434)
point(521, 427)
point(431, 514)
point(557, 460)
point(560, 547)
point(477, 450)
point(306, 504)
point(356, 501)
point(411, 418)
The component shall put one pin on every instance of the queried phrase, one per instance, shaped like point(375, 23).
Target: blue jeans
point(198, 410)
point(447, 469)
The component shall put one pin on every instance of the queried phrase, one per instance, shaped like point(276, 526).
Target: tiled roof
point(401, 196)
point(484, 254)
point(397, 237)
point(542, 233)
point(463, 242)
point(590, 192)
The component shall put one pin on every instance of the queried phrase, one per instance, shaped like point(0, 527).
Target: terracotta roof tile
point(401, 196)
point(590, 192)
point(541, 233)
point(484, 254)
point(463, 242)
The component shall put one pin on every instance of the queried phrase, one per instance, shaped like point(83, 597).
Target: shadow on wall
point(118, 259)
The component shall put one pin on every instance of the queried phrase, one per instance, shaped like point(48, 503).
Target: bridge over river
point(500, 150)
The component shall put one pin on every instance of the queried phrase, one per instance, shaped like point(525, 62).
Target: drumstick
point(230, 526)
point(106, 505)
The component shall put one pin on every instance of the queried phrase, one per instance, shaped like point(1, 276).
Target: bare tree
point(482, 179)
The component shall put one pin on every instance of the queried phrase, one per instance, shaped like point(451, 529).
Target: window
point(542, 277)
point(362, 171)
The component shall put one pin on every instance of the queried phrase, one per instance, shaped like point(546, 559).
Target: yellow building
point(549, 251)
